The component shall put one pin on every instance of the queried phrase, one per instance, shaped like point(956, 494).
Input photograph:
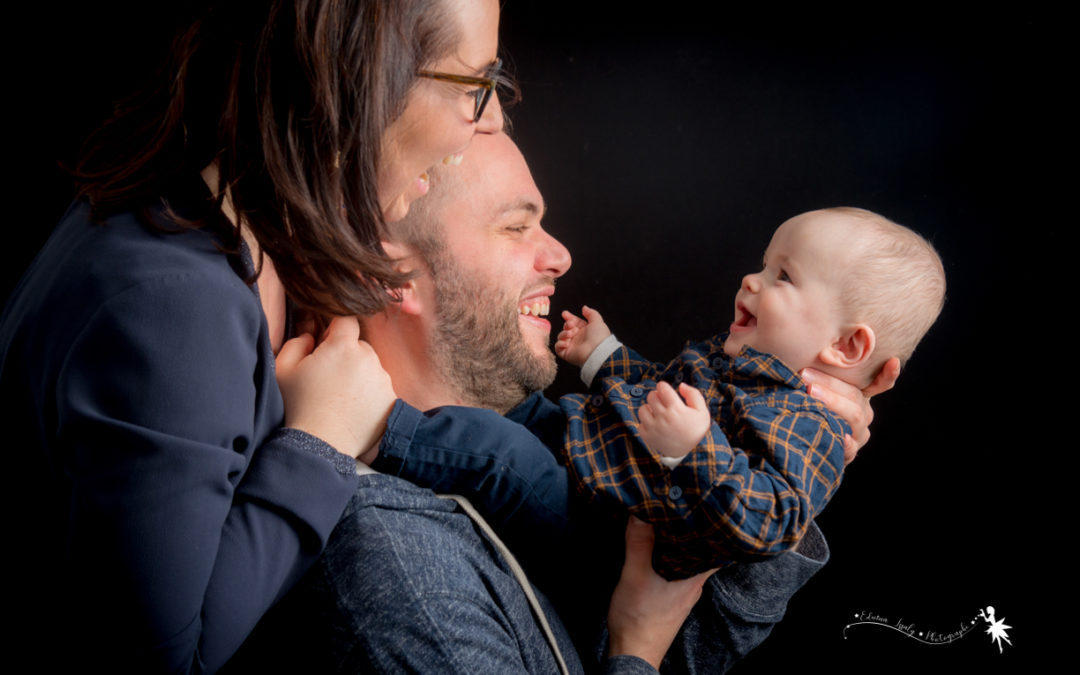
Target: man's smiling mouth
point(535, 307)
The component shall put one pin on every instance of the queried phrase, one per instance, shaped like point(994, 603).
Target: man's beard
point(477, 345)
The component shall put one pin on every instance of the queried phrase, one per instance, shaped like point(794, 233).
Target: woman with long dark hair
point(180, 492)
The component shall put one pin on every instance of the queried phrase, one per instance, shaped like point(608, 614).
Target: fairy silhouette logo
point(997, 628)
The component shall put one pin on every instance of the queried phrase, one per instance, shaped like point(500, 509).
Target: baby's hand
point(670, 427)
point(338, 390)
point(579, 337)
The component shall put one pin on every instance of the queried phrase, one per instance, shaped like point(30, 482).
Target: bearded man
point(413, 582)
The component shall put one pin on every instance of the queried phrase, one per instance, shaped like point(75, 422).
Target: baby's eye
point(783, 276)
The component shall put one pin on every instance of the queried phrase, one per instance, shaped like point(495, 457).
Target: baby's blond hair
point(896, 283)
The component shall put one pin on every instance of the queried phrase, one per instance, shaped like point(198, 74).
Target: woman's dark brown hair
point(290, 99)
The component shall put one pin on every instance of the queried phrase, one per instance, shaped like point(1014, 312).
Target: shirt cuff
point(397, 439)
point(317, 446)
point(363, 469)
point(625, 664)
point(597, 358)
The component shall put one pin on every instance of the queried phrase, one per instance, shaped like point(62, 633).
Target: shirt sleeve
point(626, 364)
point(183, 532)
point(511, 477)
point(740, 605)
point(597, 358)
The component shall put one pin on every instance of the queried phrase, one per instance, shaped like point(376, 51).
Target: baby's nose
point(752, 283)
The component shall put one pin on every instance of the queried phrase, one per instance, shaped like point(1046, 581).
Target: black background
point(669, 144)
point(670, 147)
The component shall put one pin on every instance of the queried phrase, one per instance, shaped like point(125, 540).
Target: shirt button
point(678, 378)
point(674, 493)
point(717, 362)
point(597, 401)
point(636, 391)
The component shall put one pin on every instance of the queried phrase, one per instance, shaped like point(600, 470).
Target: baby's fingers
point(693, 397)
point(562, 346)
point(590, 314)
point(655, 401)
point(666, 393)
point(571, 320)
point(646, 416)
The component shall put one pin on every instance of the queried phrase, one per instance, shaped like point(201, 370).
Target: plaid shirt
point(771, 460)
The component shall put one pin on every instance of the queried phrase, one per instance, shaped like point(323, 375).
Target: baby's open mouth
point(743, 317)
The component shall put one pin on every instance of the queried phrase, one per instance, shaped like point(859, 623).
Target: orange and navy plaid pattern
point(770, 462)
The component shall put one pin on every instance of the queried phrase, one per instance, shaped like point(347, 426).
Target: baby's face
point(790, 308)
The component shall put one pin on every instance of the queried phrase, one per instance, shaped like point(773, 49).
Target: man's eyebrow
point(530, 206)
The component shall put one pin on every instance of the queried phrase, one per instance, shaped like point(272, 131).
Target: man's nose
point(552, 258)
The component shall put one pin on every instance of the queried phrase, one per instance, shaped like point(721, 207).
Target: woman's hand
point(338, 390)
point(647, 610)
point(851, 403)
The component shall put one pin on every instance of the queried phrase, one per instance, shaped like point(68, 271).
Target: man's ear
point(852, 349)
point(406, 260)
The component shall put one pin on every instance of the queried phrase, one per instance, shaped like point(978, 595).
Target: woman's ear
point(406, 297)
point(852, 349)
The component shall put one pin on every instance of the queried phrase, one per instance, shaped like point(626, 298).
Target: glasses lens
point(484, 94)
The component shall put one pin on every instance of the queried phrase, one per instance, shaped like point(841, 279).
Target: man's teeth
point(538, 308)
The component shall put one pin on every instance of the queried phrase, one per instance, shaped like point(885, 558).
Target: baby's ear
point(406, 261)
point(852, 349)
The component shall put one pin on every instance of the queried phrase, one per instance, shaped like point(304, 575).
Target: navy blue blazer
point(162, 509)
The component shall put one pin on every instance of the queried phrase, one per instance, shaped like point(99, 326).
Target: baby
point(750, 457)
point(722, 449)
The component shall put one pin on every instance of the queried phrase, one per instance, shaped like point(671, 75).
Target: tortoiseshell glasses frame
point(486, 84)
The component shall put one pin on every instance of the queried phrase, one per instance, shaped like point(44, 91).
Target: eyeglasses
point(482, 95)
